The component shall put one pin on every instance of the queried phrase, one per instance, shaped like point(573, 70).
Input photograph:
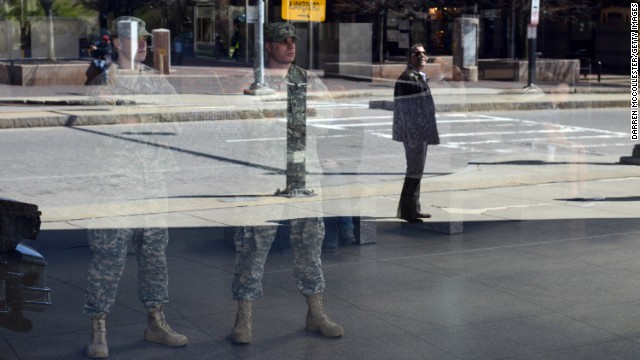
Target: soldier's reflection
point(254, 239)
point(559, 143)
point(134, 158)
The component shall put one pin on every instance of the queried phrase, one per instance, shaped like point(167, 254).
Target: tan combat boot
point(241, 333)
point(98, 349)
point(158, 331)
point(317, 321)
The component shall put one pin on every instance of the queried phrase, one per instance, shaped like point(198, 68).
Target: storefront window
point(395, 180)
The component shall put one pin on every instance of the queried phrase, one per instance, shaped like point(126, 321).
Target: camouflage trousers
point(254, 242)
point(109, 248)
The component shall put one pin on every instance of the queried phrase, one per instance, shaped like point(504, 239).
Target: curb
point(511, 106)
point(45, 119)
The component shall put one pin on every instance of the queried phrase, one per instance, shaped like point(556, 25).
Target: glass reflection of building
point(215, 24)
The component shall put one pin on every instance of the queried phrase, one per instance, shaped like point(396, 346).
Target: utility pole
point(532, 31)
point(47, 4)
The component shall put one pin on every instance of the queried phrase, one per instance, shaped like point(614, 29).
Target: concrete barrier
point(43, 72)
point(390, 71)
point(547, 70)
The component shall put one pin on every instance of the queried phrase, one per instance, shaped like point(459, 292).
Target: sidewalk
point(215, 91)
point(538, 272)
point(546, 267)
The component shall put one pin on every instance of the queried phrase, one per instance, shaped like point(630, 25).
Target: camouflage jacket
point(131, 156)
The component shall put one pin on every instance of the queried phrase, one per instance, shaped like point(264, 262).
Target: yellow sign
point(304, 10)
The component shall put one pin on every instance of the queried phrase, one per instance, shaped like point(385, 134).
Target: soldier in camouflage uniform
point(253, 242)
point(133, 168)
point(414, 124)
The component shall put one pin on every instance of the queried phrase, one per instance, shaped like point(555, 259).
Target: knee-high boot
point(409, 206)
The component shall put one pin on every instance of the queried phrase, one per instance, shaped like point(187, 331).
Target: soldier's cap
point(278, 31)
point(119, 29)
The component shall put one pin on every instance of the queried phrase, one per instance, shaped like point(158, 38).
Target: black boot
point(410, 201)
point(418, 210)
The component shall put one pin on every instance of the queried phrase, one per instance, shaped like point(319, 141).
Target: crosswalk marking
point(512, 133)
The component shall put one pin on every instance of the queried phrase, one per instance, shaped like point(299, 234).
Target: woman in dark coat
point(414, 124)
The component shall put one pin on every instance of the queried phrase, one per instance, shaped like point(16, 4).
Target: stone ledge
point(508, 106)
point(389, 71)
point(365, 231)
point(44, 72)
point(446, 227)
point(547, 70)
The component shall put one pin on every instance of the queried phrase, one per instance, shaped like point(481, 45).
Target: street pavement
point(525, 257)
point(213, 90)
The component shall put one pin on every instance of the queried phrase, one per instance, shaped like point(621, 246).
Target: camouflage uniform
point(132, 164)
point(254, 241)
point(109, 248)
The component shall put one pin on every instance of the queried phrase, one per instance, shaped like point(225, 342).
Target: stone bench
point(547, 70)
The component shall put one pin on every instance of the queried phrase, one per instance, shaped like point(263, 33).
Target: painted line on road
point(489, 133)
point(496, 141)
point(282, 138)
point(576, 127)
point(342, 126)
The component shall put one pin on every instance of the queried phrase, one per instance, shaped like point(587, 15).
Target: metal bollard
point(162, 50)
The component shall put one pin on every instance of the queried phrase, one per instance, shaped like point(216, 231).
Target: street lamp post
point(259, 87)
point(532, 30)
point(47, 4)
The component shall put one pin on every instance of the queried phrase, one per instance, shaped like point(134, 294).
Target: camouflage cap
point(119, 30)
point(279, 31)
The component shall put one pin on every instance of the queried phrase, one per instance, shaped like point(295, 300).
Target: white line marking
point(280, 138)
point(566, 130)
point(482, 142)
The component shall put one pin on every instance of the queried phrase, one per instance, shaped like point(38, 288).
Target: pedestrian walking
point(414, 124)
point(254, 239)
point(101, 59)
point(133, 172)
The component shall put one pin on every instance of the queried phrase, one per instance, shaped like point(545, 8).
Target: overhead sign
point(535, 12)
point(304, 10)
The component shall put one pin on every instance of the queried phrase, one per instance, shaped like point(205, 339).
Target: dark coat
point(414, 112)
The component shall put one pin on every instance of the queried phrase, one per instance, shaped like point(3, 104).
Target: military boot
point(158, 331)
point(98, 349)
point(317, 321)
point(241, 333)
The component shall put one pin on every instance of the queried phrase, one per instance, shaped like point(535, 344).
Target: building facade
point(597, 34)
